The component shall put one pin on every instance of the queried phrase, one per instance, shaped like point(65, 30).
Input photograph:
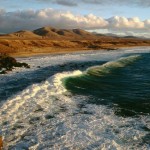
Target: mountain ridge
point(52, 40)
point(49, 32)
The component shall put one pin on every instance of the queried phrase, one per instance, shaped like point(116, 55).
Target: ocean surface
point(82, 101)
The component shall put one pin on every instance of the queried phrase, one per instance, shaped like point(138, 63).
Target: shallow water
point(96, 100)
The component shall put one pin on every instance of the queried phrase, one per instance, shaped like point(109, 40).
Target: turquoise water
point(122, 84)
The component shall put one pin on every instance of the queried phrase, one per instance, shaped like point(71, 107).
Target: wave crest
point(110, 66)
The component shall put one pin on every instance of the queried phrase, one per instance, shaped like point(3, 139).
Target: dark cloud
point(30, 19)
point(141, 3)
point(65, 2)
point(61, 2)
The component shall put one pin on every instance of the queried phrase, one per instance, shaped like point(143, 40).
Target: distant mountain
point(24, 34)
point(51, 40)
point(106, 34)
point(121, 36)
point(49, 32)
point(138, 37)
point(21, 34)
point(130, 36)
point(46, 31)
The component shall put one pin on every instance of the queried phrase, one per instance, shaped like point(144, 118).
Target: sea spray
point(50, 118)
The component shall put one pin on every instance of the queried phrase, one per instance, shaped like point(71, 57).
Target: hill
point(50, 33)
point(52, 40)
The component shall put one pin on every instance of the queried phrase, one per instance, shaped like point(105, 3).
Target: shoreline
point(42, 105)
point(37, 47)
point(53, 51)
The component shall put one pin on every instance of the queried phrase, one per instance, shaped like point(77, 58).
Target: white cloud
point(147, 23)
point(30, 19)
point(122, 22)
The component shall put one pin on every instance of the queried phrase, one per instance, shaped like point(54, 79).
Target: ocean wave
point(35, 94)
point(112, 65)
point(47, 116)
point(111, 84)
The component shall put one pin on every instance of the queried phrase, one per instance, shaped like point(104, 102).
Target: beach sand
point(25, 48)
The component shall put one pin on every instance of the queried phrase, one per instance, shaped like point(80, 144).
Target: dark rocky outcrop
point(7, 63)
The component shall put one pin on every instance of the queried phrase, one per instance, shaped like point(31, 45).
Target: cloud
point(30, 19)
point(2, 11)
point(61, 2)
point(147, 23)
point(123, 23)
point(141, 3)
point(65, 2)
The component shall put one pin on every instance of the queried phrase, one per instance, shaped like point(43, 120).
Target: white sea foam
point(35, 94)
point(48, 60)
point(45, 116)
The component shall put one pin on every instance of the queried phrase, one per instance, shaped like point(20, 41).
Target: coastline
point(37, 47)
point(41, 103)
point(59, 51)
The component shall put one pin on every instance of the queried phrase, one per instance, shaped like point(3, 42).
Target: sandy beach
point(25, 50)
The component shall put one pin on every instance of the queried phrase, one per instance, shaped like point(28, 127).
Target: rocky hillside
point(52, 40)
point(50, 33)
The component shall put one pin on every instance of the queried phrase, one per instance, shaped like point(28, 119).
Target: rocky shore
point(7, 63)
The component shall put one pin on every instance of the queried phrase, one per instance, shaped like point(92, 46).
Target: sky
point(123, 17)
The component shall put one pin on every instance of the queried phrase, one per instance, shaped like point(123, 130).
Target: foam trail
point(36, 94)
point(47, 116)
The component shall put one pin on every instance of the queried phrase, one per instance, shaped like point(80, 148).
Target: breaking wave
point(112, 65)
point(69, 111)
point(121, 84)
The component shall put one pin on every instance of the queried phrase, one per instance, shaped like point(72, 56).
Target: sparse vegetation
point(52, 40)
